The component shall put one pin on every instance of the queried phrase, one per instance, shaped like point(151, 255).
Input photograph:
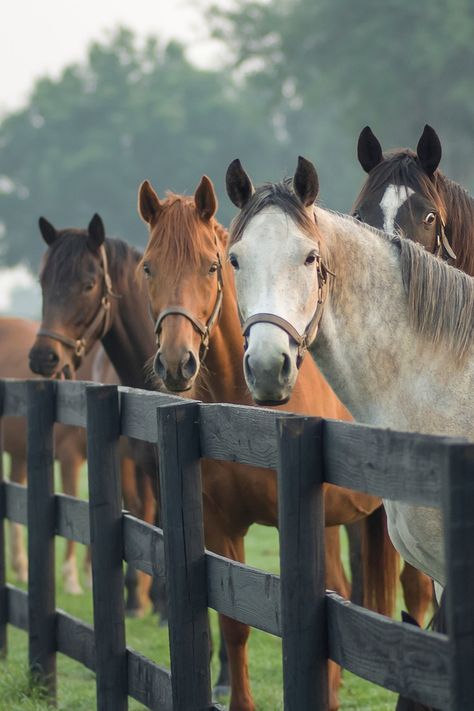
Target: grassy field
point(76, 684)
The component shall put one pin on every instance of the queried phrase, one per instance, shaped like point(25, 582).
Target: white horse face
point(275, 266)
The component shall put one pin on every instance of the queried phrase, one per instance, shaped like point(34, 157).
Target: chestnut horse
point(193, 300)
point(16, 336)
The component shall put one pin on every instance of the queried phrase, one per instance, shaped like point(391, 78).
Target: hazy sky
point(40, 37)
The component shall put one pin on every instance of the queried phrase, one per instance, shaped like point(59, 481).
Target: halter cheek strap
point(79, 346)
point(204, 330)
point(303, 341)
point(443, 249)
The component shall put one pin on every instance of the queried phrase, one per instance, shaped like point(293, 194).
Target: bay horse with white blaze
point(200, 349)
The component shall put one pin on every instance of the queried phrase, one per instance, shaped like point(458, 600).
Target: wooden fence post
point(458, 509)
point(41, 513)
point(301, 529)
point(3, 589)
point(182, 515)
point(105, 507)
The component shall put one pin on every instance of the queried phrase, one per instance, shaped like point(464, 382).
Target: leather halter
point(443, 249)
point(79, 345)
point(304, 340)
point(204, 330)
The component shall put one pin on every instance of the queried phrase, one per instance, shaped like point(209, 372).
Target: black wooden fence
point(314, 624)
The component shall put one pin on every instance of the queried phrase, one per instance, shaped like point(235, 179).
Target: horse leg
point(417, 592)
point(222, 685)
point(70, 472)
point(335, 580)
point(17, 546)
point(354, 535)
point(132, 503)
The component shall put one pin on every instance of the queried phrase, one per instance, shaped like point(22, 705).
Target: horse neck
point(129, 342)
point(222, 378)
point(366, 347)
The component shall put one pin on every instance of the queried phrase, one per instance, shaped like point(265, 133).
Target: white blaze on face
point(393, 198)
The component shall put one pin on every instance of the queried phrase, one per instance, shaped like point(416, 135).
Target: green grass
point(76, 687)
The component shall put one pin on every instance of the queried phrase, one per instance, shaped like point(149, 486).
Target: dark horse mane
point(453, 202)
point(64, 259)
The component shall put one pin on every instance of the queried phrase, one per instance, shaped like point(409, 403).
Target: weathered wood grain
point(3, 514)
point(138, 412)
point(15, 398)
point(75, 639)
point(302, 577)
point(149, 683)
point(15, 502)
point(105, 502)
point(374, 461)
point(17, 607)
point(71, 402)
point(238, 433)
point(458, 509)
point(72, 519)
point(244, 593)
point(41, 514)
point(143, 546)
point(181, 509)
point(392, 654)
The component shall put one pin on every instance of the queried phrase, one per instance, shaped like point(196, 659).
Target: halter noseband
point(79, 345)
point(303, 341)
point(204, 330)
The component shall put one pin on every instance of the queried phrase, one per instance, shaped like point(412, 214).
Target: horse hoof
point(72, 587)
point(134, 613)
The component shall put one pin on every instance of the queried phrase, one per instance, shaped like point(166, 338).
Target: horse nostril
point(188, 366)
point(52, 358)
point(286, 365)
point(249, 375)
point(159, 367)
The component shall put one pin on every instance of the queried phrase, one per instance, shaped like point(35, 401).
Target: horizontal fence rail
point(354, 456)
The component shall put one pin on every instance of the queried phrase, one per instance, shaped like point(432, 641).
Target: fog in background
point(97, 97)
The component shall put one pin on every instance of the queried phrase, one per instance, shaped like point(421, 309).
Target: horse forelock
point(179, 238)
point(280, 195)
point(65, 260)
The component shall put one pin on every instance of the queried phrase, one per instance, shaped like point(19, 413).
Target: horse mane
point(440, 297)
point(180, 237)
point(279, 195)
point(64, 259)
point(452, 201)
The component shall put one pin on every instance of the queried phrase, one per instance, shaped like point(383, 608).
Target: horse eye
point(213, 268)
point(89, 286)
point(146, 269)
point(311, 258)
point(234, 262)
point(430, 218)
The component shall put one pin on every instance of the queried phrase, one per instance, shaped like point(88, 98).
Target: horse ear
point(306, 182)
point(48, 232)
point(205, 199)
point(429, 150)
point(149, 204)
point(369, 150)
point(238, 184)
point(96, 232)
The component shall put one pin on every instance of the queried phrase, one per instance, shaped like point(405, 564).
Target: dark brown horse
point(406, 191)
point(83, 288)
point(193, 300)
point(16, 336)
